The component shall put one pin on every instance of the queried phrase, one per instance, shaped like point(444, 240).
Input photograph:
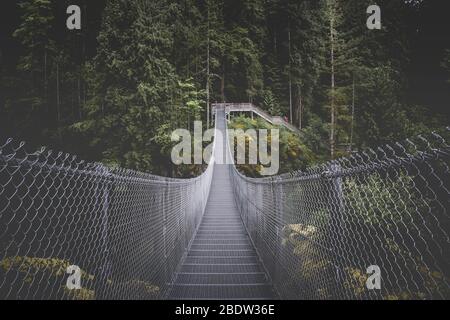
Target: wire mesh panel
point(317, 232)
point(127, 231)
point(323, 233)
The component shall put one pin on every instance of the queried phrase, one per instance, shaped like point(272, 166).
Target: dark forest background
point(114, 90)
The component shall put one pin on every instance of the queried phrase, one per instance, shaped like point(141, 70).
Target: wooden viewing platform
point(250, 107)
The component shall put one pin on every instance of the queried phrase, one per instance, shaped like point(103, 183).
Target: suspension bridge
point(309, 234)
point(222, 263)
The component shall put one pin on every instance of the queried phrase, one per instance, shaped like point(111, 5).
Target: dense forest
point(116, 89)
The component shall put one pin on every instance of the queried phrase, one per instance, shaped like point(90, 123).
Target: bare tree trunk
point(85, 30)
point(196, 60)
point(275, 41)
point(222, 85)
point(58, 111)
point(84, 93)
point(81, 83)
point(79, 97)
point(46, 83)
point(300, 107)
point(207, 76)
point(333, 120)
point(72, 100)
point(290, 76)
point(353, 114)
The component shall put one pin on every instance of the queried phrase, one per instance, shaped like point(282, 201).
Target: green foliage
point(315, 136)
point(115, 90)
point(138, 97)
point(32, 32)
point(294, 154)
point(28, 272)
point(383, 202)
point(270, 103)
point(31, 270)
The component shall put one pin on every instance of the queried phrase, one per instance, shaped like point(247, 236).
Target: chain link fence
point(127, 231)
point(317, 232)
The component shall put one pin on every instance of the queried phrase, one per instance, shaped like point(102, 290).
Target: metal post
point(278, 217)
point(105, 267)
point(164, 232)
point(336, 207)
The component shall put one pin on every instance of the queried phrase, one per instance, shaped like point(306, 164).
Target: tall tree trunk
point(72, 100)
point(222, 84)
point(79, 97)
point(196, 60)
point(47, 109)
point(290, 77)
point(81, 82)
point(333, 120)
point(85, 29)
point(58, 111)
point(275, 41)
point(300, 107)
point(353, 114)
point(207, 75)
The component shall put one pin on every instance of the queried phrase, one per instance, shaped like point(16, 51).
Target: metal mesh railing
point(127, 231)
point(318, 231)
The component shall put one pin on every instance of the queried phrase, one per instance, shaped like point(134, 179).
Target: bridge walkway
point(221, 262)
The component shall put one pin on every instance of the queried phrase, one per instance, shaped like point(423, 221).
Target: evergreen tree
point(136, 93)
point(35, 64)
point(115, 90)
